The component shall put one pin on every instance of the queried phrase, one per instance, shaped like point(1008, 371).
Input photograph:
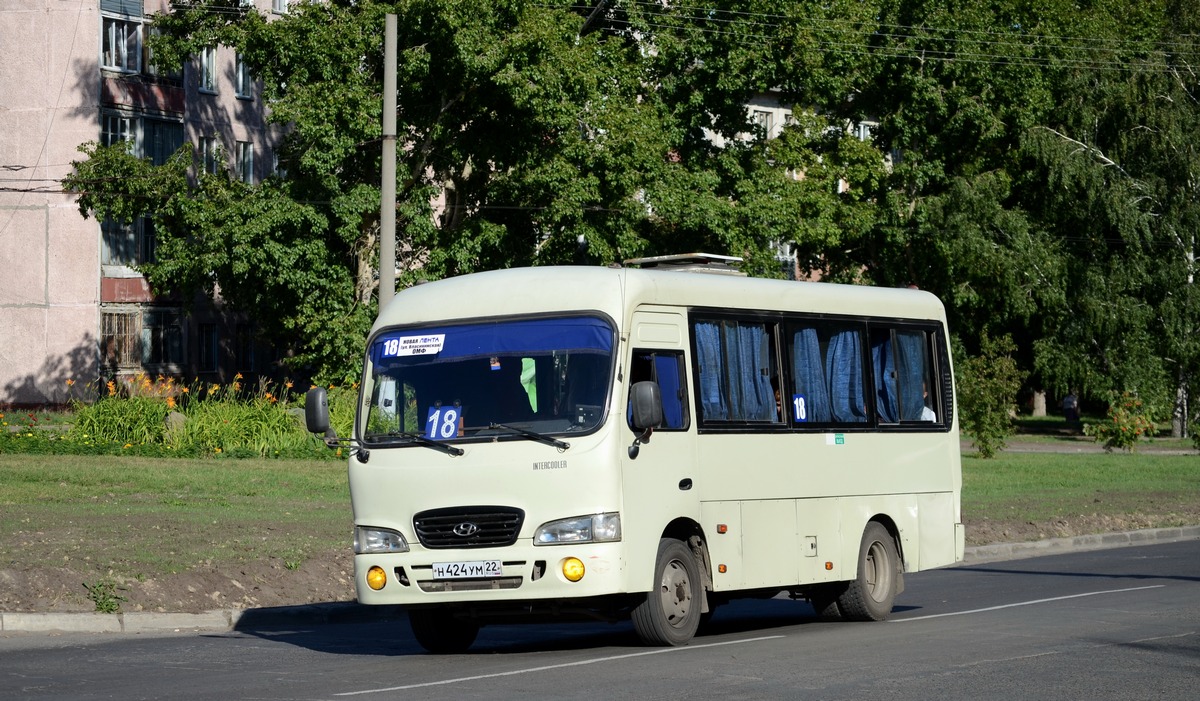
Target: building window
point(862, 131)
point(121, 45)
point(161, 139)
point(116, 128)
point(120, 243)
point(244, 152)
point(162, 338)
point(208, 69)
point(764, 120)
point(277, 167)
point(244, 347)
point(245, 82)
point(151, 67)
point(208, 347)
point(118, 339)
point(147, 254)
point(210, 153)
point(280, 6)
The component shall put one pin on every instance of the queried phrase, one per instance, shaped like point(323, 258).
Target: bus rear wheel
point(670, 614)
point(441, 633)
point(873, 592)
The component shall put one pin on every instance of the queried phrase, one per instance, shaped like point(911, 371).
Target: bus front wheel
point(871, 595)
point(670, 613)
point(439, 632)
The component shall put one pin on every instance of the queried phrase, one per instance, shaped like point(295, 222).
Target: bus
point(643, 443)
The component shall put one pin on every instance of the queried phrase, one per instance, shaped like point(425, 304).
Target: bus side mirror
point(316, 410)
point(646, 412)
point(646, 400)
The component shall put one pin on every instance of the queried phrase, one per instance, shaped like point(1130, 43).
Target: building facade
point(72, 304)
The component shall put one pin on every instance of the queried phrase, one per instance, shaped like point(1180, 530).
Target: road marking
point(531, 670)
point(1025, 603)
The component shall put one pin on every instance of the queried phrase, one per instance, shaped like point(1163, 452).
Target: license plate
point(467, 570)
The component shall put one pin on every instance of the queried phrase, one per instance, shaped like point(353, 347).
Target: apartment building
point(72, 304)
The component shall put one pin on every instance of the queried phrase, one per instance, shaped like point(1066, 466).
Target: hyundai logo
point(466, 529)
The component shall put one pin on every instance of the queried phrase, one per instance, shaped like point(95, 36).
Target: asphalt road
point(1108, 624)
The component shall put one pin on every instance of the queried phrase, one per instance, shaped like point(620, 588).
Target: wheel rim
point(675, 593)
point(877, 572)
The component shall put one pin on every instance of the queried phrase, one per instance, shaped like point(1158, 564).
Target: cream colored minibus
point(644, 443)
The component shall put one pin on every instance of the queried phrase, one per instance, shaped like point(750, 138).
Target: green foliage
point(163, 419)
point(133, 420)
point(1129, 420)
point(987, 389)
point(1041, 184)
point(104, 594)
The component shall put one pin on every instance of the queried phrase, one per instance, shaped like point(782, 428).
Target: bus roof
point(616, 291)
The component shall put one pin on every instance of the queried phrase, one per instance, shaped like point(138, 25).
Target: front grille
point(469, 526)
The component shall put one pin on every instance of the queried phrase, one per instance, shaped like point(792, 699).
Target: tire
point(670, 614)
point(440, 633)
point(871, 595)
point(824, 600)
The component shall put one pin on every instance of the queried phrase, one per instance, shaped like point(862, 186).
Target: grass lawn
point(145, 517)
point(148, 517)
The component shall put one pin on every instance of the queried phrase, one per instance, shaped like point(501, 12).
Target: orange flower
point(288, 384)
point(70, 382)
point(170, 402)
point(185, 390)
point(237, 376)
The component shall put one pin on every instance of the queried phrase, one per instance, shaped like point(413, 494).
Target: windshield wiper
point(419, 440)
point(540, 438)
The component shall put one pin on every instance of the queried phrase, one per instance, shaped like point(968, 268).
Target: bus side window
point(665, 368)
point(918, 395)
point(734, 363)
point(827, 374)
point(904, 387)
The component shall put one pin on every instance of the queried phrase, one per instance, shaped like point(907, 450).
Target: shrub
point(987, 391)
point(1128, 420)
point(135, 420)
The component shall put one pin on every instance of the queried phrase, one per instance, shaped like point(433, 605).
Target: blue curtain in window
point(809, 372)
point(843, 363)
point(910, 366)
point(885, 378)
point(708, 357)
point(666, 370)
point(754, 375)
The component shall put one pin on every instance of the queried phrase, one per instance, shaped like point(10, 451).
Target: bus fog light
point(376, 578)
point(572, 569)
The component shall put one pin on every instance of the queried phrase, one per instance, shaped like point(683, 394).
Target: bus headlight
point(378, 540)
point(597, 528)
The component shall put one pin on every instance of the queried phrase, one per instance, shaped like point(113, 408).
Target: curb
point(343, 612)
point(1053, 546)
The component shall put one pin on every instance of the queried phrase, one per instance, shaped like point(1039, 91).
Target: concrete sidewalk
point(351, 612)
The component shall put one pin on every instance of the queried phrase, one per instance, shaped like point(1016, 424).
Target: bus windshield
point(488, 379)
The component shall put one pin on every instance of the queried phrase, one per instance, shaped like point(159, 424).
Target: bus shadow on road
point(389, 635)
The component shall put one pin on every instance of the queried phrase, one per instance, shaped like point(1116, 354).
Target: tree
point(530, 133)
point(1124, 171)
point(987, 389)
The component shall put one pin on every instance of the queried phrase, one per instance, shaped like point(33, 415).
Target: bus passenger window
point(734, 363)
point(901, 359)
point(827, 372)
point(665, 368)
point(914, 376)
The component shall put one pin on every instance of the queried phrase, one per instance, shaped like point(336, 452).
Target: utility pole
point(387, 198)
